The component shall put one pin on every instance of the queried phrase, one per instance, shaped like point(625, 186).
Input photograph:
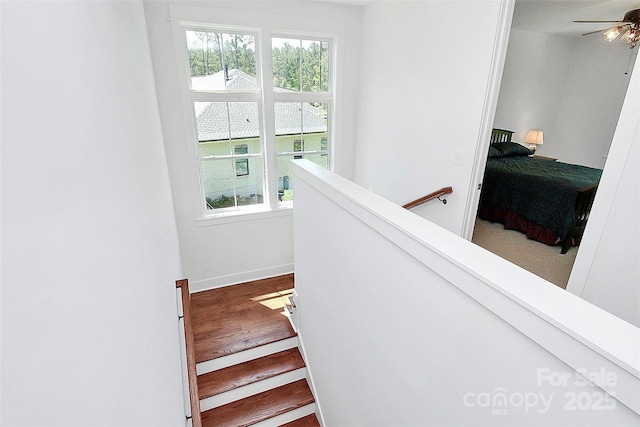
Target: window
point(297, 146)
point(240, 165)
point(226, 106)
point(302, 91)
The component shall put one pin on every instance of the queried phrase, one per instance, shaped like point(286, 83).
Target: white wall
point(533, 79)
point(570, 88)
point(422, 99)
point(89, 243)
point(597, 80)
point(216, 253)
point(413, 325)
point(606, 270)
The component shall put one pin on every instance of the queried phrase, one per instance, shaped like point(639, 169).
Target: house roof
point(243, 117)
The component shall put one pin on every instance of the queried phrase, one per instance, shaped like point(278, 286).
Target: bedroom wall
point(89, 243)
point(534, 74)
point(597, 80)
point(240, 249)
point(570, 88)
point(422, 99)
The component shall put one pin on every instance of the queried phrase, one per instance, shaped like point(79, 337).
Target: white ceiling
point(556, 16)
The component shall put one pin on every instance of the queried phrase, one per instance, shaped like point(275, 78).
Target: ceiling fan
point(630, 23)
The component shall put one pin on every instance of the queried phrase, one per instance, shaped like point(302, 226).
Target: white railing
point(404, 323)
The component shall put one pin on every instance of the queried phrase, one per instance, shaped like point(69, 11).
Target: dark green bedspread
point(542, 191)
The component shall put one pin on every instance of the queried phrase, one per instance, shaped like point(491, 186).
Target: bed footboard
point(584, 201)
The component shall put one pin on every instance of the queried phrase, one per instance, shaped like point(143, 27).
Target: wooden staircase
point(249, 369)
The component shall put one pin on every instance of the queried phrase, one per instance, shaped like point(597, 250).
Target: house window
point(242, 165)
point(297, 146)
point(228, 95)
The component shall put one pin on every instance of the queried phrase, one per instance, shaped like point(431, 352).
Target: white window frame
point(263, 27)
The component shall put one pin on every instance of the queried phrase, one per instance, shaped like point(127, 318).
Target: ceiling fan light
point(635, 37)
point(611, 34)
point(626, 37)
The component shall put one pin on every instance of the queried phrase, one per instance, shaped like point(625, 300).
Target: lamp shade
point(534, 136)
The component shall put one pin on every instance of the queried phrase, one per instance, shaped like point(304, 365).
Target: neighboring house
point(300, 128)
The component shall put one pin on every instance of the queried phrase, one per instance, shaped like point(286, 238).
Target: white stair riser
point(245, 356)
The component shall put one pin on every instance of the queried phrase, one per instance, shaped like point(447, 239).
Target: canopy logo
point(499, 400)
point(582, 393)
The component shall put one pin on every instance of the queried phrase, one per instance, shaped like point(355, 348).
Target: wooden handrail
point(431, 196)
point(183, 284)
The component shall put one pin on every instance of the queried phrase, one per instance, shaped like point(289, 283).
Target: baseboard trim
point(234, 279)
point(312, 386)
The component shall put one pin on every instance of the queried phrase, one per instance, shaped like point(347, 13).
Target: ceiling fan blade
point(597, 31)
point(597, 22)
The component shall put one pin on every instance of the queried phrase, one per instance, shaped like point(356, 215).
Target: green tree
point(239, 53)
point(286, 67)
point(314, 67)
point(301, 68)
point(209, 52)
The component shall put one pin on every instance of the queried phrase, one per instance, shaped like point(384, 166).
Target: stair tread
point(239, 317)
point(309, 421)
point(260, 407)
point(226, 379)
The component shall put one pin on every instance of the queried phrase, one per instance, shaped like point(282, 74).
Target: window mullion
point(303, 97)
point(231, 156)
point(203, 96)
point(269, 126)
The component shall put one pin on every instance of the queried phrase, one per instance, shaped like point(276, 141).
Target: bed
point(548, 200)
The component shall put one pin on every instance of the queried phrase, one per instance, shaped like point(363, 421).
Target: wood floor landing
point(236, 318)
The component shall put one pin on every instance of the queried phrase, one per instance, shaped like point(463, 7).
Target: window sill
point(241, 216)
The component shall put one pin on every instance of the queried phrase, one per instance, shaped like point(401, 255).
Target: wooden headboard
point(500, 135)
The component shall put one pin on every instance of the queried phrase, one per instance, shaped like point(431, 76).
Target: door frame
point(500, 45)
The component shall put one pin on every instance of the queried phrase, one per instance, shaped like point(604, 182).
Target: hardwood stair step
point(246, 355)
point(246, 373)
point(239, 317)
point(260, 407)
point(308, 421)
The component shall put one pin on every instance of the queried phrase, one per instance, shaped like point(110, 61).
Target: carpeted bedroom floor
point(541, 259)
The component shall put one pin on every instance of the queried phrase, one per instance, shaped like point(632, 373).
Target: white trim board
point(234, 279)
